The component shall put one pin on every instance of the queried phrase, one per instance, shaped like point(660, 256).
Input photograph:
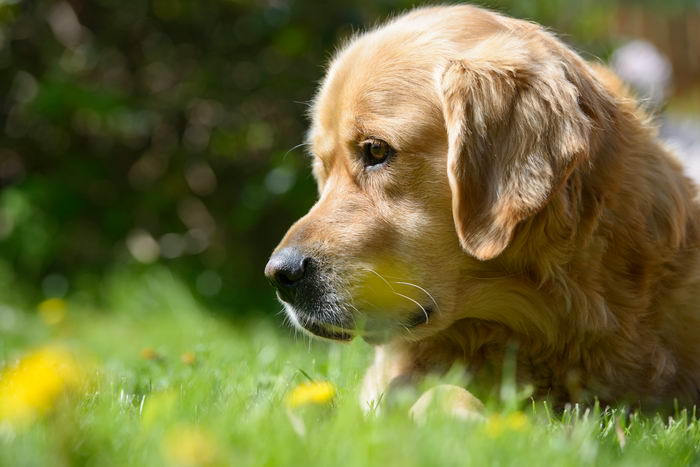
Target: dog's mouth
point(328, 332)
point(373, 332)
point(319, 328)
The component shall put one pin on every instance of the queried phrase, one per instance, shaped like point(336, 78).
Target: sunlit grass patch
point(173, 384)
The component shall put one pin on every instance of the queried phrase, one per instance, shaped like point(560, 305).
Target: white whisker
point(295, 147)
point(425, 291)
point(427, 317)
point(382, 278)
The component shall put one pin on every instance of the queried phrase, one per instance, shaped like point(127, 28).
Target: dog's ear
point(516, 130)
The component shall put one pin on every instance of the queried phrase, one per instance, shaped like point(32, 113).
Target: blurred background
point(165, 133)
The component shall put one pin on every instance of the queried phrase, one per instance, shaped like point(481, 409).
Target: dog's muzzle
point(307, 294)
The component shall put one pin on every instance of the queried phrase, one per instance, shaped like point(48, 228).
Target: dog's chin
point(328, 332)
point(372, 331)
point(318, 329)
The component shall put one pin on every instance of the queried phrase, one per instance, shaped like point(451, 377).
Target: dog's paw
point(448, 399)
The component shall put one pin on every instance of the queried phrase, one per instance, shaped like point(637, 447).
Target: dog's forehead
point(377, 89)
point(384, 83)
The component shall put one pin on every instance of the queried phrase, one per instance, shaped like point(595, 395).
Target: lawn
point(151, 377)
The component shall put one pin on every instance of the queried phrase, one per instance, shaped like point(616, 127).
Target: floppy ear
point(515, 130)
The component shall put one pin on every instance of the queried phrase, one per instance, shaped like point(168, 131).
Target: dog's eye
point(376, 151)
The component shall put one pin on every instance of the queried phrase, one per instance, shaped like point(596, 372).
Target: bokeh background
point(165, 133)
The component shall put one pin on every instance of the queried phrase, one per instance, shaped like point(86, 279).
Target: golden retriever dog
point(485, 192)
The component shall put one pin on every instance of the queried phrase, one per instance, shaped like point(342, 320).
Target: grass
point(166, 382)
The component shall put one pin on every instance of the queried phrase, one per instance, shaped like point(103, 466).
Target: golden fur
point(529, 200)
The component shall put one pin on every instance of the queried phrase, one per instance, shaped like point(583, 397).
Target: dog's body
point(482, 188)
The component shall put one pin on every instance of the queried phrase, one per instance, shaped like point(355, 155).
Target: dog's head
point(433, 139)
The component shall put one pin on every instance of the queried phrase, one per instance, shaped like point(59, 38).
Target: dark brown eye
point(375, 152)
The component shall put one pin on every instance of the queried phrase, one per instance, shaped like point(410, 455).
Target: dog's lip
point(322, 331)
point(329, 331)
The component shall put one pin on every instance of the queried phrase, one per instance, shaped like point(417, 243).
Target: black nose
point(285, 270)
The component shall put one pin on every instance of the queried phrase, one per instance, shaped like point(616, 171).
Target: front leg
point(392, 366)
point(396, 366)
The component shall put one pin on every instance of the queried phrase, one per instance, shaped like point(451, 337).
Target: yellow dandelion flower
point(149, 354)
point(321, 392)
point(188, 358)
point(498, 424)
point(52, 311)
point(517, 421)
point(33, 386)
point(190, 446)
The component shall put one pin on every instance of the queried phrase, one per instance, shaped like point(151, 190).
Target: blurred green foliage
point(167, 130)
